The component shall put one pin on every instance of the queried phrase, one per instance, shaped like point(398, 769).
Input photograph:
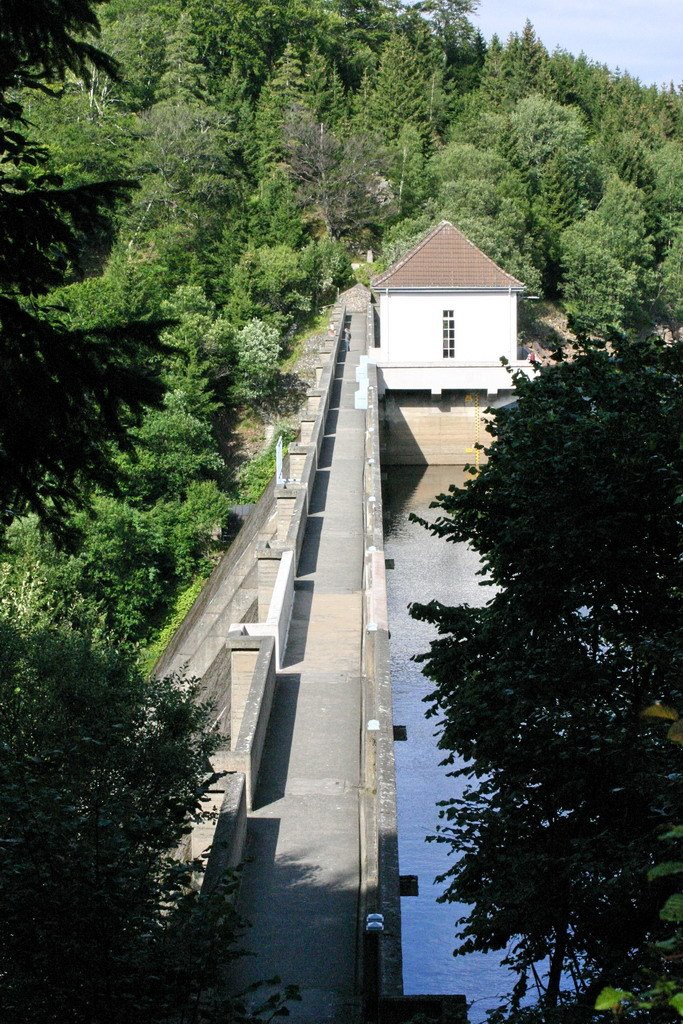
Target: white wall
point(411, 327)
point(447, 377)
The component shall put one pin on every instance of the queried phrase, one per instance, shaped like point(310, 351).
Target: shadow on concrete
point(298, 628)
point(331, 425)
point(320, 488)
point(278, 745)
point(308, 559)
point(302, 929)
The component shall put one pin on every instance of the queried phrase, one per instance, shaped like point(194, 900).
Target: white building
point(447, 314)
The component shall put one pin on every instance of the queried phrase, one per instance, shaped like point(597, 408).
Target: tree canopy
point(576, 520)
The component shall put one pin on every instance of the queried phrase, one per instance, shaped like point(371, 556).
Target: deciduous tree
point(563, 785)
point(101, 775)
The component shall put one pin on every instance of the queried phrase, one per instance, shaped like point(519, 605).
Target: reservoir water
point(425, 568)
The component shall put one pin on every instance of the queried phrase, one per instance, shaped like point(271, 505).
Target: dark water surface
point(426, 568)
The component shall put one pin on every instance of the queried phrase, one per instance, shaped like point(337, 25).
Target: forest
point(184, 188)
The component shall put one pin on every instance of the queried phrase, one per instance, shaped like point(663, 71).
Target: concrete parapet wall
point(226, 837)
point(381, 863)
point(296, 527)
point(298, 454)
point(223, 599)
point(276, 623)
point(238, 663)
point(277, 560)
point(216, 688)
point(268, 562)
point(253, 672)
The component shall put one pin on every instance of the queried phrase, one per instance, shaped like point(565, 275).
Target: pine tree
point(493, 75)
point(556, 206)
point(184, 78)
point(281, 92)
point(275, 216)
point(516, 70)
point(409, 171)
point(525, 62)
point(402, 90)
point(323, 92)
point(362, 116)
point(66, 394)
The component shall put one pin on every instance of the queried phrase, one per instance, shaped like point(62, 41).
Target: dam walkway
point(290, 642)
point(301, 881)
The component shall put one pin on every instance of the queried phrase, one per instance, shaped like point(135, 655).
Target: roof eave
point(516, 287)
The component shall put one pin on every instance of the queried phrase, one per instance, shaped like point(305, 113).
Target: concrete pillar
point(297, 459)
point(285, 500)
point(306, 429)
point(242, 665)
point(313, 399)
point(319, 370)
point(267, 566)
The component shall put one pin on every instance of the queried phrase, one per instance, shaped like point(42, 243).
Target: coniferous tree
point(184, 78)
point(362, 116)
point(409, 171)
point(402, 90)
point(279, 95)
point(67, 393)
point(525, 61)
point(493, 86)
point(275, 216)
point(323, 92)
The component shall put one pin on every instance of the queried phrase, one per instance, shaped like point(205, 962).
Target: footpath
point(301, 883)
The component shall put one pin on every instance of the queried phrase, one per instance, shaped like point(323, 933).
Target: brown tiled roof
point(445, 258)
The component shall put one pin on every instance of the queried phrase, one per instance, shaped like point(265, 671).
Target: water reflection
point(426, 568)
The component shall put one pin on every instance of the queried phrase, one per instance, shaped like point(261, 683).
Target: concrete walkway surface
point(300, 887)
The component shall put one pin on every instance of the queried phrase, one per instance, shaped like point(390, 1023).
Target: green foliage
point(402, 91)
point(275, 215)
point(282, 91)
point(202, 340)
point(101, 776)
point(258, 472)
point(607, 258)
point(269, 283)
point(599, 294)
point(40, 586)
point(258, 348)
point(327, 267)
point(672, 276)
point(192, 525)
point(68, 392)
point(611, 998)
point(125, 564)
point(181, 606)
point(409, 174)
point(540, 691)
point(172, 449)
point(261, 134)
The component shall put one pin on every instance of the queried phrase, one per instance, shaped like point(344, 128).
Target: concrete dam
point(290, 637)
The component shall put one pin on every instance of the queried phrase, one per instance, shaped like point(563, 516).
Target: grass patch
point(181, 606)
point(254, 477)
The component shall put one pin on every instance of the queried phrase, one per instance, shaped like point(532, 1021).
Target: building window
point(448, 334)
